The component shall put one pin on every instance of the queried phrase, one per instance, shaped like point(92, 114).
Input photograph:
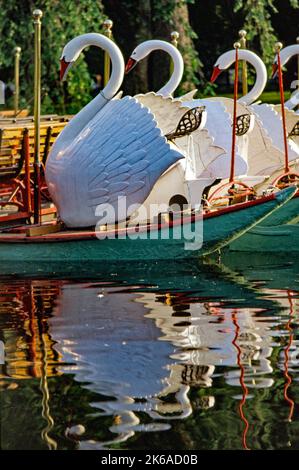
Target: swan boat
point(263, 154)
point(113, 148)
point(259, 148)
point(280, 233)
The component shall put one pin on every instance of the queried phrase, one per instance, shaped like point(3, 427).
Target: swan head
point(69, 55)
point(223, 63)
point(139, 53)
point(285, 55)
point(75, 46)
point(64, 68)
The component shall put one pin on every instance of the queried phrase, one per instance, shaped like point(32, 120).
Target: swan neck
point(261, 76)
point(178, 66)
point(288, 52)
point(81, 119)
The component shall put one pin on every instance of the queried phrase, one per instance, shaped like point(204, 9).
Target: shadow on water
point(150, 355)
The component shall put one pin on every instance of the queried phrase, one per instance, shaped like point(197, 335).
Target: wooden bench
point(17, 160)
point(12, 145)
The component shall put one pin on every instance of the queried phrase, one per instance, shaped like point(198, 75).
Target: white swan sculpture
point(216, 130)
point(266, 114)
point(112, 148)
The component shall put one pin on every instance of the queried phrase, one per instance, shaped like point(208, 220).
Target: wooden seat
point(12, 148)
point(17, 160)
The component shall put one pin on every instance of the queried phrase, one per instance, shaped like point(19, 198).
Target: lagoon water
point(151, 356)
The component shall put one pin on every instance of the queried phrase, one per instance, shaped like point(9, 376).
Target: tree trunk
point(162, 29)
point(132, 25)
point(135, 22)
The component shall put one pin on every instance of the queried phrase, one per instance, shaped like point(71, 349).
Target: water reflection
point(196, 357)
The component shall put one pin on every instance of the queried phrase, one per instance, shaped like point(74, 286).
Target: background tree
point(61, 22)
point(258, 23)
point(217, 22)
point(207, 29)
point(135, 22)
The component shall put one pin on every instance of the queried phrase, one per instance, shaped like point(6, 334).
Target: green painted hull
point(273, 235)
point(277, 239)
point(218, 231)
point(289, 213)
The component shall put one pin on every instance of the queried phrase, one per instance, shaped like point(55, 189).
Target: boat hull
point(275, 239)
point(273, 235)
point(214, 231)
point(288, 214)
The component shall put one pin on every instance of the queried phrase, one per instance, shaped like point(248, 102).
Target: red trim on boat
point(69, 235)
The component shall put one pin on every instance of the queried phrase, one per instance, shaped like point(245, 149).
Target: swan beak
point(216, 72)
point(130, 65)
point(64, 66)
point(274, 70)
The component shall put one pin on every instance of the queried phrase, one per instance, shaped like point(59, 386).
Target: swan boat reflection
point(155, 350)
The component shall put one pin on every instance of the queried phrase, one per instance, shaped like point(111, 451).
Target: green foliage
point(258, 24)
point(61, 22)
point(210, 29)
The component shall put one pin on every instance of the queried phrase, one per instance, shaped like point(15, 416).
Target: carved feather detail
point(120, 153)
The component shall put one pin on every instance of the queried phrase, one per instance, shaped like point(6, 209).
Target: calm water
point(158, 356)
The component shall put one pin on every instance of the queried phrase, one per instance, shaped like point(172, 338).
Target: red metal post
point(233, 154)
point(27, 172)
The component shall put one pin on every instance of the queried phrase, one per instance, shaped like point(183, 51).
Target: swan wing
point(208, 143)
point(272, 122)
point(121, 153)
point(291, 120)
point(212, 145)
point(167, 111)
point(187, 96)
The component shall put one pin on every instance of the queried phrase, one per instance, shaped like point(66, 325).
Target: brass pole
point(37, 15)
point(174, 41)
point(17, 80)
point(242, 35)
point(108, 24)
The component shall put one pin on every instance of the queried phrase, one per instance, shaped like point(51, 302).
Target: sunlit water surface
point(171, 356)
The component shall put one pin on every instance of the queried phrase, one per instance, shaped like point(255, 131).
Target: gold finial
point(237, 45)
point(37, 14)
point(17, 50)
point(108, 24)
point(242, 33)
point(175, 35)
point(297, 39)
point(278, 46)
point(174, 38)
